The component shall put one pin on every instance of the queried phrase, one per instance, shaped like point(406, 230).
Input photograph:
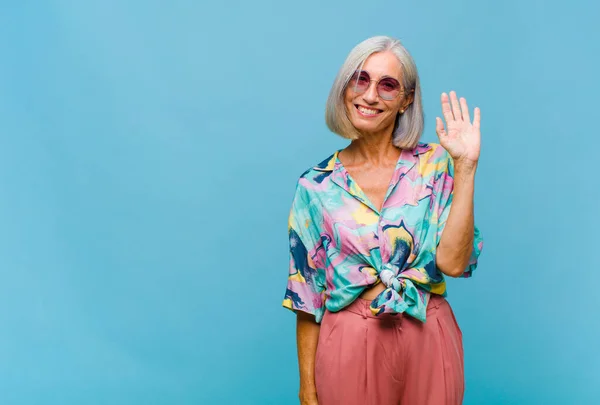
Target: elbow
point(453, 265)
point(454, 268)
point(455, 272)
point(451, 270)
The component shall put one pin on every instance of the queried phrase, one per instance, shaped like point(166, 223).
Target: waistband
point(361, 307)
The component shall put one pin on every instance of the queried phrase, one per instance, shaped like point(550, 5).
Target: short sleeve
point(444, 189)
point(306, 284)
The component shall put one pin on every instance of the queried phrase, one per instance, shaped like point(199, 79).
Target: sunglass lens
point(360, 81)
point(388, 88)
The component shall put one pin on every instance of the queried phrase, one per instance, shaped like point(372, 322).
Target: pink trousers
point(390, 359)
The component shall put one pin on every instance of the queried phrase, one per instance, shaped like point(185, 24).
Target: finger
point(455, 106)
point(465, 110)
point(446, 109)
point(439, 127)
point(477, 119)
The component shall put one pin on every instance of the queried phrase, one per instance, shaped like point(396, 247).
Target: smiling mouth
point(367, 112)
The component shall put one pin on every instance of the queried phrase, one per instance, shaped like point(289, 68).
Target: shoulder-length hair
point(409, 125)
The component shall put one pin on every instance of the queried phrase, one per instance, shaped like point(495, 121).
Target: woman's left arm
point(462, 140)
point(456, 244)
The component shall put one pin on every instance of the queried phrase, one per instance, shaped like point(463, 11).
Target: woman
point(373, 230)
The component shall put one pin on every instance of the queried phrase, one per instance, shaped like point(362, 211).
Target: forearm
point(307, 338)
point(456, 245)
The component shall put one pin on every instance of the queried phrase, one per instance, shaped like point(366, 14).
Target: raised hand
point(461, 138)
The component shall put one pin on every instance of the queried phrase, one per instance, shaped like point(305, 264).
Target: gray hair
point(409, 125)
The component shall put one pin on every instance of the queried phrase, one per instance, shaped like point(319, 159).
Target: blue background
point(148, 157)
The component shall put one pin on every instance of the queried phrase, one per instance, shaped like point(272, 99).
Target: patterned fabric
point(340, 244)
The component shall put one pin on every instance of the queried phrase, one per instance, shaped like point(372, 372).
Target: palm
point(461, 138)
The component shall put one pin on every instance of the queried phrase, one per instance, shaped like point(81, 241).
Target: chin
point(366, 128)
point(370, 127)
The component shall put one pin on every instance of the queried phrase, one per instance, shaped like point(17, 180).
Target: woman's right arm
point(305, 289)
point(307, 338)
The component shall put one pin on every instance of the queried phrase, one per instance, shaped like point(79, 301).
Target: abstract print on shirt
point(340, 244)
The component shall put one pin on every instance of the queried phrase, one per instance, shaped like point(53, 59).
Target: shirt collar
point(328, 165)
point(338, 174)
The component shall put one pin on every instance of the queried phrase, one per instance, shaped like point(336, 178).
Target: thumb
point(439, 128)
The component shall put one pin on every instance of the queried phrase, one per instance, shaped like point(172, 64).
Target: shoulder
point(314, 180)
point(434, 159)
point(309, 186)
point(316, 174)
point(433, 153)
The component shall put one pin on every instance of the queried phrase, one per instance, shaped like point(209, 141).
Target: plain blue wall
point(148, 157)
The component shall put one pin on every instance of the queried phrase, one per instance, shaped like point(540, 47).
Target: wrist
point(307, 394)
point(308, 389)
point(465, 167)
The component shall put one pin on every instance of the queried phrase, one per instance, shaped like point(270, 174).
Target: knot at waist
point(401, 295)
point(388, 277)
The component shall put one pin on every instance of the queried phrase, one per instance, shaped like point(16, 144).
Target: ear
point(408, 100)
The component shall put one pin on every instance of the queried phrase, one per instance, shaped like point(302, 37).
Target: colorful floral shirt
point(340, 244)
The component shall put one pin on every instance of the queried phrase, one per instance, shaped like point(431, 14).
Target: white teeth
point(367, 110)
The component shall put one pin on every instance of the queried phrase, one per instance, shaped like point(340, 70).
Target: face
point(374, 111)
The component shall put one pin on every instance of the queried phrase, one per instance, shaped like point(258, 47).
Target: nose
point(370, 95)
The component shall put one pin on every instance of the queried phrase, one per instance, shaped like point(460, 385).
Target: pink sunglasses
point(388, 88)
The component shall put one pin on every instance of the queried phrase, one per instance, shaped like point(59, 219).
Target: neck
point(372, 148)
